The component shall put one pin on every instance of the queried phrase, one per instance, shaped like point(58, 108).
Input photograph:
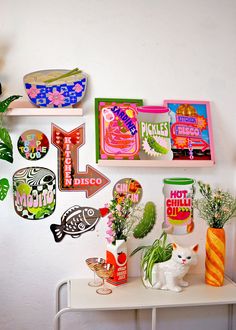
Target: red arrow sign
point(200, 143)
point(70, 179)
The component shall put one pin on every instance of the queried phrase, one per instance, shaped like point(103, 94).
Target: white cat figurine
point(168, 275)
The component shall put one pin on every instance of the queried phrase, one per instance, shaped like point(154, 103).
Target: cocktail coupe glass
point(91, 262)
point(104, 271)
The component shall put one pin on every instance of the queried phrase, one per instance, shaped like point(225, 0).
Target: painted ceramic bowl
point(63, 92)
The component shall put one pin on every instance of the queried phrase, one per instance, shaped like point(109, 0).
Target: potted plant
point(6, 147)
point(159, 251)
point(216, 208)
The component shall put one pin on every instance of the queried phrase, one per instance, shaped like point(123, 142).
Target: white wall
point(153, 50)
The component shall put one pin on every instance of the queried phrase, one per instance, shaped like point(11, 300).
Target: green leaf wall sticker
point(4, 187)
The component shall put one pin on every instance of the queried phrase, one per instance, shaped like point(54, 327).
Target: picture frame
point(191, 130)
point(116, 127)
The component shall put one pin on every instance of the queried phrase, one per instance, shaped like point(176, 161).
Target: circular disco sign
point(33, 144)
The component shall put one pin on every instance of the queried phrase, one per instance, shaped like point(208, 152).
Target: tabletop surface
point(133, 295)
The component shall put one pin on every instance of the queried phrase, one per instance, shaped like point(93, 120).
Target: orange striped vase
point(215, 256)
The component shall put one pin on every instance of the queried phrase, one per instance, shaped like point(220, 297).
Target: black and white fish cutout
point(76, 221)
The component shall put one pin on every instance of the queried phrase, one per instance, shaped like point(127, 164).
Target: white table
point(133, 295)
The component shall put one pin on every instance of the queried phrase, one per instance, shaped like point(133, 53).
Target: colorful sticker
point(117, 128)
point(128, 187)
point(178, 194)
point(70, 178)
point(116, 254)
point(33, 144)
point(44, 89)
point(4, 187)
point(34, 192)
point(191, 130)
point(76, 221)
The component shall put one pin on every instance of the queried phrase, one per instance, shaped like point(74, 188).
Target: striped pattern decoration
point(215, 256)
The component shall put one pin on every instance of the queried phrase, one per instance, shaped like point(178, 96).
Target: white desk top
point(133, 295)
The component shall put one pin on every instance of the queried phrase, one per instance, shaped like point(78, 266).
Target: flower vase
point(215, 256)
point(116, 254)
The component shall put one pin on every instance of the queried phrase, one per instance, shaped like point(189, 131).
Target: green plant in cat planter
point(159, 251)
point(6, 147)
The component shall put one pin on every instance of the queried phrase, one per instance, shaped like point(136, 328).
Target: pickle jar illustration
point(178, 206)
point(154, 128)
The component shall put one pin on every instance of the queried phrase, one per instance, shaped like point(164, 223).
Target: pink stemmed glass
point(91, 262)
point(104, 271)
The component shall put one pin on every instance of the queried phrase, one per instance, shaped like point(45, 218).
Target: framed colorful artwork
point(191, 130)
point(117, 130)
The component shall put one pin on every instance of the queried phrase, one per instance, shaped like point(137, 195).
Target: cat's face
point(184, 255)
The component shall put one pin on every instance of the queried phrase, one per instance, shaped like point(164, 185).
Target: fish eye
point(90, 212)
point(189, 258)
point(179, 256)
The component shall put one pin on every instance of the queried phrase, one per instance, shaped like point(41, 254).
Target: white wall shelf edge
point(155, 163)
point(24, 108)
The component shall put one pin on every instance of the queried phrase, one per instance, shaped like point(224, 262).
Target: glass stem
point(104, 286)
point(94, 277)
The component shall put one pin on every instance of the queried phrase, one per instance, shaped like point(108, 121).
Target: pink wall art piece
point(191, 130)
point(117, 129)
point(70, 178)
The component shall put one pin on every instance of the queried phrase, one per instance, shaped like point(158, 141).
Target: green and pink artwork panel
point(117, 130)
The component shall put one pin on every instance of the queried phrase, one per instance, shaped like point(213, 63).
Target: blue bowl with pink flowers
point(55, 88)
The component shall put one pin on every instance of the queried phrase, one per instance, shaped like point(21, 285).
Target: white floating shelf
point(24, 108)
point(155, 163)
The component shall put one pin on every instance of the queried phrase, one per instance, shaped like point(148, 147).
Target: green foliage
point(6, 147)
point(4, 187)
point(126, 220)
point(5, 103)
point(216, 207)
point(159, 251)
point(120, 209)
point(147, 222)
